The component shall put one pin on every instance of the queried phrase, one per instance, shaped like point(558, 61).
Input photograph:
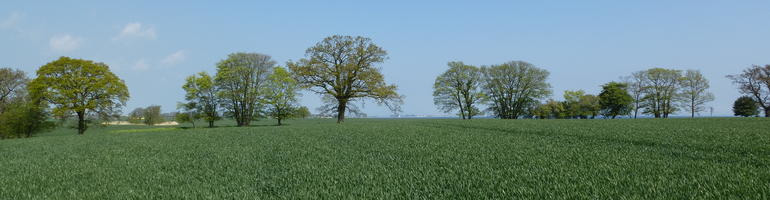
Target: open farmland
point(392, 158)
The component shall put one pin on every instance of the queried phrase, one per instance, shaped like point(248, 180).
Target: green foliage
point(459, 89)
point(302, 112)
point(745, 106)
point(239, 80)
point(513, 87)
point(579, 105)
point(552, 109)
point(23, 119)
point(661, 91)
point(343, 67)
point(711, 158)
point(201, 95)
point(614, 100)
point(79, 86)
point(280, 94)
point(152, 116)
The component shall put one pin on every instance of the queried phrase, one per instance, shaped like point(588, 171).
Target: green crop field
point(398, 158)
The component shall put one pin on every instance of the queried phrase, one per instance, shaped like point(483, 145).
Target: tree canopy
point(201, 94)
point(280, 95)
point(459, 89)
point(239, 80)
point(79, 86)
point(745, 106)
point(615, 100)
point(694, 92)
point(514, 86)
point(344, 67)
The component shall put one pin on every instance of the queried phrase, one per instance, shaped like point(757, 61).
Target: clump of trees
point(661, 92)
point(755, 83)
point(576, 105)
point(239, 79)
point(83, 87)
point(246, 87)
point(151, 115)
point(459, 88)
point(512, 88)
point(344, 68)
point(21, 114)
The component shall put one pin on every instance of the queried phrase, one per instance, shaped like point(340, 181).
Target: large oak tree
point(344, 67)
point(81, 86)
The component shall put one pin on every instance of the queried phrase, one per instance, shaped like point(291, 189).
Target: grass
point(406, 159)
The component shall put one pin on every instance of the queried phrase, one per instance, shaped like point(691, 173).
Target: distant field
point(398, 158)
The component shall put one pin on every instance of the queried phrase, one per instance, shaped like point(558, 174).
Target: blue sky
point(153, 45)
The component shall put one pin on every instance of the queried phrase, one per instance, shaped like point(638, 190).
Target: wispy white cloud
point(65, 43)
point(140, 65)
point(136, 30)
point(174, 58)
point(11, 20)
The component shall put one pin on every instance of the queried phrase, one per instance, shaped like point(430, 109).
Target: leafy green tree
point(661, 91)
point(459, 89)
point(21, 115)
point(152, 115)
point(572, 104)
point(745, 106)
point(23, 119)
point(695, 92)
point(589, 106)
point(79, 86)
point(755, 82)
point(343, 67)
point(239, 79)
point(614, 100)
point(302, 112)
point(512, 87)
point(202, 93)
point(280, 95)
point(552, 109)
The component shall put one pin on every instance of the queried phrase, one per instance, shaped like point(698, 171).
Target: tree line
point(343, 70)
point(518, 89)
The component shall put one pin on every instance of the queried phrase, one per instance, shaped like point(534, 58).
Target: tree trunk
point(767, 111)
point(692, 112)
point(279, 121)
point(81, 122)
point(341, 110)
point(211, 124)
